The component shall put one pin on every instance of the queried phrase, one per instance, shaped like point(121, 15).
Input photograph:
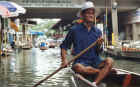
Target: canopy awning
point(4, 12)
point(13, 8)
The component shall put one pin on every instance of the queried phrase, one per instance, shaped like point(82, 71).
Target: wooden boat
point(43, 48)
point(26, 47)
point(6, 52)
point(119, 78)
point(123, 52)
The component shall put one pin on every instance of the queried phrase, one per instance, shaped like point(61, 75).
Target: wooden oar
point(75, 57)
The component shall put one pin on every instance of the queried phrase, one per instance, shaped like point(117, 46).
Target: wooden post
point(23, 29)
point(23, 21)
point(114, 20)
point(0, 36)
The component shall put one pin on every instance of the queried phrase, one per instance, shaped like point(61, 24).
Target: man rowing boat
point(81, 36)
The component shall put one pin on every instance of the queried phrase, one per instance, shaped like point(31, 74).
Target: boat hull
point(117, 79)
point(43, 48)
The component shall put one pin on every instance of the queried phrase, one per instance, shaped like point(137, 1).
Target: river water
point(24, 68)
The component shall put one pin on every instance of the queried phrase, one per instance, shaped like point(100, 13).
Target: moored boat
point(6, 52)
point(43, 48)
point(26, 47)
point(119, 78)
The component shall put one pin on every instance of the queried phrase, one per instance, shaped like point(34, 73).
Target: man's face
point(88, 15)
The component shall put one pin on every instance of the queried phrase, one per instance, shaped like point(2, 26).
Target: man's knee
point(109, 61)
point(78, 68)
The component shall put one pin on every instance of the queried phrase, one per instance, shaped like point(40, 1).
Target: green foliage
point(43, 26)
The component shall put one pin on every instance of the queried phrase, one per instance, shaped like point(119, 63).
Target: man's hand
point(64, 64)
point(100, 41)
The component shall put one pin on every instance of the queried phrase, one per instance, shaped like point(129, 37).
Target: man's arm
point(63, 57)
point(64, 46)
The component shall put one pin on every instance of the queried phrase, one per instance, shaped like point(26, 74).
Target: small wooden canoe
point(43, 48)
point(26, 47)
point(117, 79)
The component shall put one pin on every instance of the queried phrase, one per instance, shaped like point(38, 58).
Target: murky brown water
point(26, 67)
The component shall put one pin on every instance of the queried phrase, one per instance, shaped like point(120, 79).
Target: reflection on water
point(26, 67)
point(130, 65)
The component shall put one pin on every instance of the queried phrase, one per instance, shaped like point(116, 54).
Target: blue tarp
point(43, 44)
point(37, 33)
point(8, 5)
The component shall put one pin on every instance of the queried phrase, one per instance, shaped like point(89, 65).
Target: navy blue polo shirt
point(81, 38)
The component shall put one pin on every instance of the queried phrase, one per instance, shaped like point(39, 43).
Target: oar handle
point(75, 57)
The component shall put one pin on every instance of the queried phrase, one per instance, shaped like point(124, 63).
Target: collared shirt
point(81, 38)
